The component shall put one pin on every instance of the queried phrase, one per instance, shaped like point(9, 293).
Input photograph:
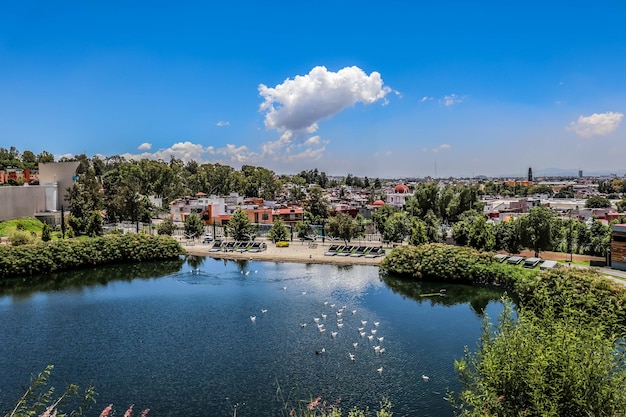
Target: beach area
point(301, 252)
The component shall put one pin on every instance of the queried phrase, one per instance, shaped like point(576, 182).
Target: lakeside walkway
point(299, 252)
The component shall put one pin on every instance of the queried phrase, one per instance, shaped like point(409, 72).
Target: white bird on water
point(316, 319)
point(382, 350)
point(351, 355)
point(284, 288)
point(303, 292)
point(370, 338)
point(263, 310)
point(334, 334)
point(302, 325)
point(324, 316)
point(340, 325)
point(425, 378)
point(332, 306)
point(362, 334)
point(380, 339)
point(363, 322)
point(353, 311)
point(373, 331)
point(253, 318)
point(360, 329)
point(355, 344)
point(380, 370)
point(325, 303)
point(376, 323)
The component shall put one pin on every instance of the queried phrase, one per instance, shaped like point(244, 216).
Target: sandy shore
point(296, 252)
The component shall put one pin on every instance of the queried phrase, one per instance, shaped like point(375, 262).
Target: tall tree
point(344, 227)
point(240, 227)
point(316, 205)
point(539, 229)
point(397, 227)
point(279, 231)
point(194, 226)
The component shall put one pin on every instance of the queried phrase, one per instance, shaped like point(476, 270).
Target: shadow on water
point(446, 294)
point(26, 286)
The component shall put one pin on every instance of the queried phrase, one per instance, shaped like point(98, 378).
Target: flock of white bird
point(321, 321)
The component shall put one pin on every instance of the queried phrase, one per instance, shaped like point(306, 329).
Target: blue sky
point(378, 89)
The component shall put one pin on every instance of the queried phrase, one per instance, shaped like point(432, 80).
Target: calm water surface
point(184, 344)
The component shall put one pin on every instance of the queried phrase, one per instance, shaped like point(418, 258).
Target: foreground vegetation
point(562, 353)
point(64, 255)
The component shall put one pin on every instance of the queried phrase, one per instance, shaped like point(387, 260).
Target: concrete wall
point(60, 172)
point(16, 202)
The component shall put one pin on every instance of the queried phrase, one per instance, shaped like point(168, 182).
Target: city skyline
point(379, 90)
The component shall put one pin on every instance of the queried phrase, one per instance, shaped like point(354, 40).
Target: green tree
point(94, 224)
point(472, 230)
point(166, 227)
point(46, 233)
point(240, 227)
point(539, 229)
point(397, 227)
point(597, 202)
point(381, 215)
point(418, 232)
point(316, 205)
point(621, 205)
point(507, 236)
point(279, 231)
point(433, 227)
point(548, 365)
point(344, 227)
point(194, 226)
point(565, 192)
point(303, 229)
point(84, 197)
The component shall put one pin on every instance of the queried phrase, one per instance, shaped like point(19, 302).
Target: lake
point(181, 339)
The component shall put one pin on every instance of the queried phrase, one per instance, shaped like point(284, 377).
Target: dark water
point(184, 344)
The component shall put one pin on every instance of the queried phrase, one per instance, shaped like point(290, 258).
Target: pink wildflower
point(48, 412)
point(107, 411)
point(313, 403)
point(129, 412)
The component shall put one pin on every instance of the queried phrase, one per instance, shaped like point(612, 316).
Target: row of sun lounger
point(237, 246)
point(355, 251)
point(526, 262)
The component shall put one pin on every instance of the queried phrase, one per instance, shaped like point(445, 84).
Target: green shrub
point(20, 237)
point(63, 255)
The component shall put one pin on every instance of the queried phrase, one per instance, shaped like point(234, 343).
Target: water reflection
point(445, 294)
point(24, 287)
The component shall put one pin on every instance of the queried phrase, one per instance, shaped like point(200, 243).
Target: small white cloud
point(222, 123)
point(425, 99)
point(598, 124)
point(145, 146)
point(313, 140)
point(451, 100)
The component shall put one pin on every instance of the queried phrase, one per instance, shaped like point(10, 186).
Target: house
point(398, 197)
point(618, 247)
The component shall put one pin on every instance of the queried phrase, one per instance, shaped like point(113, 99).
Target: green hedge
point(64, 255)
point(445, 263)
point(574, 291)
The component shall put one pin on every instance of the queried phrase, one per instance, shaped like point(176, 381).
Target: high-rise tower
point(530, 174)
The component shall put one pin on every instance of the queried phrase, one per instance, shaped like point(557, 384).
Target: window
point(265, 216)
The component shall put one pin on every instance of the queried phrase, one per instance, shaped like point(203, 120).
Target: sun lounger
point(549, 265)
point(531, 262)
point(360, 251)
point(346, 251)
point(244, 246)
point(257, 247)
point(515, 260)
point(217, 246)
point(501, 257)
point(374, 253)
point(332, 250)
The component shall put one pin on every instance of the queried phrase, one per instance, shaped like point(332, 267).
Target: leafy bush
point(20, 237)
point(46, 233)
point(548, 365)
point(63, 255)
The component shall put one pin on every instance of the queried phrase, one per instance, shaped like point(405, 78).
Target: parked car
point(208, 237)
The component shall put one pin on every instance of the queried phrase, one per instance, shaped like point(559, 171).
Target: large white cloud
point(299, 103)
point(598, 124)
